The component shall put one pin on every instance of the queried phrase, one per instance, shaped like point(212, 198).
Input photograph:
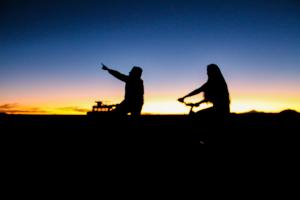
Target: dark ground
point(48, 153)
point(167, 130)
point(55, 146)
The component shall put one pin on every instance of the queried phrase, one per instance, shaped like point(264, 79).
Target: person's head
point(213, 71)
point(136, 72)
point(217, 91)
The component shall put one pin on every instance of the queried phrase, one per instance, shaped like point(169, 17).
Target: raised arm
point(115, 73)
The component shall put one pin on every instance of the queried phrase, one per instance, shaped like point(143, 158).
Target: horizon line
point(148, 114)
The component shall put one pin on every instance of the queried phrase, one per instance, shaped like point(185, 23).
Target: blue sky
point(51, 50)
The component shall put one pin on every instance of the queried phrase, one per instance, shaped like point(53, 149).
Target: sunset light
point(51, 53)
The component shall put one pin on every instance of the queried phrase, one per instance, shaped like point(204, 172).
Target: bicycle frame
point(191, 105)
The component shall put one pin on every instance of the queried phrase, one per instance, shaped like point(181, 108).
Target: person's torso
point(217, 94)
point(134, 90)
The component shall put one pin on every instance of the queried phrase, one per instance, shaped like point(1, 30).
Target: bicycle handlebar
point(190, 104)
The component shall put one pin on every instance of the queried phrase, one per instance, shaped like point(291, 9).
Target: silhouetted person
point(215, 91)
point(212, 119)
point(134, 91)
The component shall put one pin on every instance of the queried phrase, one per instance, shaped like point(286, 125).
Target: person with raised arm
point(134, 91)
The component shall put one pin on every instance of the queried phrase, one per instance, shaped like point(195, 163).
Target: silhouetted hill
point(252, 112)
point(289, 112)
point(2, 113)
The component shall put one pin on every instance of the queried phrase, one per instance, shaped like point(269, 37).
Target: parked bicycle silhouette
point(101, 109)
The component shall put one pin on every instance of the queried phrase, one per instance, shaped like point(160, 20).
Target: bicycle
point(195, 121)
point(101, 109)
point(191, 105)
point(212, 125)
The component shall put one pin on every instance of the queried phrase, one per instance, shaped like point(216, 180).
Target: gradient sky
point(50, 52)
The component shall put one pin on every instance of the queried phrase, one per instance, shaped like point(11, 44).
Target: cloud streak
point(14, 108)
point(8, 106)
point(74, 109)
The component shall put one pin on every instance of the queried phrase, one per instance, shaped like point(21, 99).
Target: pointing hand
point(104, 67)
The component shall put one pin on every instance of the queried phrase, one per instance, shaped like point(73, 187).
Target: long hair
point(216, 90)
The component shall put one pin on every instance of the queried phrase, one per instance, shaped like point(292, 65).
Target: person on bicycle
point(215, 91)
point(134, 91)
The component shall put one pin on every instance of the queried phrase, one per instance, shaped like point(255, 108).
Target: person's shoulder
point(205, 84)
point(141, 82)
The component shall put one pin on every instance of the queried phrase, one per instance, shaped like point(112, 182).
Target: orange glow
point(263, 105)
point(73, 103)
point(164, 107)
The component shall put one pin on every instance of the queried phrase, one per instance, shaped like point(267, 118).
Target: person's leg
point(136, 110)
point(121, 109)
point(204, 121)
point(206, 114)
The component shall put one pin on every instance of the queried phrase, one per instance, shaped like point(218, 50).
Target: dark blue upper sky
point(52, 44)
